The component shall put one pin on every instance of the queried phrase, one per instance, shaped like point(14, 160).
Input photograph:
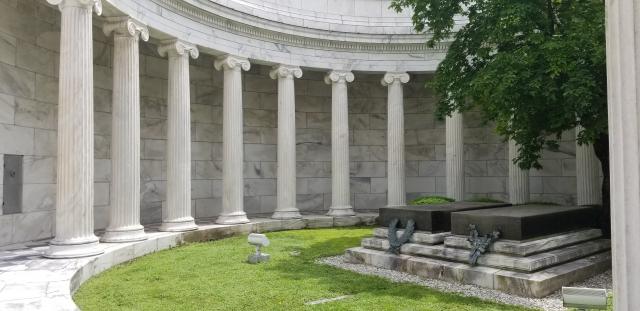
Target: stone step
point(419, 237)
point(537, 284)
point(526, 248)
point(499, 261)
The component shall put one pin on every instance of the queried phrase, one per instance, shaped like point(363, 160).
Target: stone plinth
point(431, 218)
point(537, 284)
point(526, 248)
point(526, 221)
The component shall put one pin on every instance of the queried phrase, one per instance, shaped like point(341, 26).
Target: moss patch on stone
point(431, 199)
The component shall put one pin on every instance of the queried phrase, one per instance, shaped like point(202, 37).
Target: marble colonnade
point(340, 188)
point(124, 215)
point(623, 75)
point(124, 222)
point(176, 214)
point(286, 171)
point(396, 193)
point(232, 140)
point(74, 236)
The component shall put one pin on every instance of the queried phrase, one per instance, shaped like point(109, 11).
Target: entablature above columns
point(217, 33)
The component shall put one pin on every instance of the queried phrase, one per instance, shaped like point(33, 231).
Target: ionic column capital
point(87, 4)
point(392, 77)
point(285, 72)
point(126, 26)
point(339, 76)
point(230, 62)
point(176, 47)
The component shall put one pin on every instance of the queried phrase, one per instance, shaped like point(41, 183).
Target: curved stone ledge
point(30, 282)
point(219, 30)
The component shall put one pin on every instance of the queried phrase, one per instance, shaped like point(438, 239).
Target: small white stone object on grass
point(258, 240)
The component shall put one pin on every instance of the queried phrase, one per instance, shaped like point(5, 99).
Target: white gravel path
point(552, 302)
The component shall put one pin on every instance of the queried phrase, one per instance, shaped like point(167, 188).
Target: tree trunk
point(601, 147)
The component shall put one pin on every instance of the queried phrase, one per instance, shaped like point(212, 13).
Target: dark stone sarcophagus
point(522, 222)
point(431, 218)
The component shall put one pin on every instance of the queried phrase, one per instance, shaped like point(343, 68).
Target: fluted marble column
point(623, 81)
point(124, 215)
point(232, 141)
point(455, 156)
point(518, 178)
point(396, 194)
point(589, 190)
point(340, 191)
point(176, 215)
point(74, 199)
point(286, 192)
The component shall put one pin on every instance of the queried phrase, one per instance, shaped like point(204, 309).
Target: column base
point(338, 211)
point(124, 234)
point(178, 225)
point(61, 250)
point(233, 218)
point(290, 214)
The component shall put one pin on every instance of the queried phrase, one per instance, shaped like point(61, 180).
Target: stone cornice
point(285, 71)
point(125, 26)
point(338, 76)
point(232, 62)
point(176, 47)
point(387, 43)
point(95, 4)
point(391, 77)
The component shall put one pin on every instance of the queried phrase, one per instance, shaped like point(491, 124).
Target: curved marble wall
point(29, 53)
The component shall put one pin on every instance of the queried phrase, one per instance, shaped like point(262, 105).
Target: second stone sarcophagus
point(430, 218)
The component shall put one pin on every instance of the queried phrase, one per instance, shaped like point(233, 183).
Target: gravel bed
point(552, 302)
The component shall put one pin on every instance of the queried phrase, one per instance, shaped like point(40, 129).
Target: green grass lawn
point(214, 276)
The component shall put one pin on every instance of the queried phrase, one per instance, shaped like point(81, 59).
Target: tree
point(536, 68)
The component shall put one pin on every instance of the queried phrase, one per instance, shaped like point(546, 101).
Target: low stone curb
point(29, 281)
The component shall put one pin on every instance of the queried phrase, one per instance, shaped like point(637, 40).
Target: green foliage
point(485, 200)
point(215, 276)
point(431, 199)
point(535, 68)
